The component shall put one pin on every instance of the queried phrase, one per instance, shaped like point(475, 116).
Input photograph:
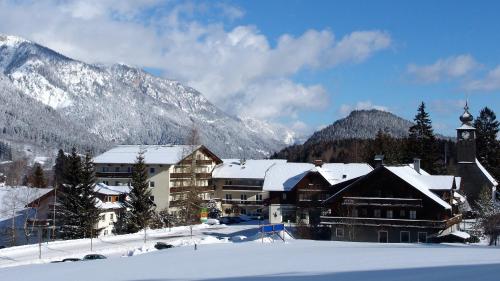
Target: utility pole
point(39, 242)
point(54, 213)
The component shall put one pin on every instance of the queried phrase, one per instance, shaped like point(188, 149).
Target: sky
point(303, 64)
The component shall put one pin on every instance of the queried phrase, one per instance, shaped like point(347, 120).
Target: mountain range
point(51, 101)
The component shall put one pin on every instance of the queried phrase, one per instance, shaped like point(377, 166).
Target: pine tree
point(37, 177)
point(59, 167)
point(421, 141)
point(141, 205)
point(69, 197)
point(90, 212)
point(487, 128)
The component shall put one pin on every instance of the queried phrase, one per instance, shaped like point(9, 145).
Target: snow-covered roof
point(284, 176)
point(18, 198)
point(422, 171)
point(458, 182)
point(250, 169)
point(416, 180)
point(153, 154)
point(111, 189)
point(466, 127)
point(438, 182)
point(336, 173)
point(108, 205)
point(486, 173)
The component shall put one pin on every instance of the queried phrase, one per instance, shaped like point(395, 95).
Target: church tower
point(466, 138)
point(474, 177)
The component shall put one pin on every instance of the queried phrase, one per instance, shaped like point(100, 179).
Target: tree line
point(438, 155)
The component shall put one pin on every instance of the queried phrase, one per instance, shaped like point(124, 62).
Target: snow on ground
point(216, 258)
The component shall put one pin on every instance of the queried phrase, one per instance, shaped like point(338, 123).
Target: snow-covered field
point(220, 259)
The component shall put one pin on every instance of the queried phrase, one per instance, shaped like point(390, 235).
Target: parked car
point(162, 245)
point(212, 222)
point(93, 257)
point(71, 260)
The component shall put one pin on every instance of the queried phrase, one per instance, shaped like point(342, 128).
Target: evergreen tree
point(90, 212)
point(488, 217)
point(69, 197)
point(59, 167)
point(487, 128)
point(141, 205)
point(421, 142)
point(37, 177)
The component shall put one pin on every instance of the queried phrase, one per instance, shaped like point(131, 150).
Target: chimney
point(318, 162)
point(416, 164)
point(379, 160)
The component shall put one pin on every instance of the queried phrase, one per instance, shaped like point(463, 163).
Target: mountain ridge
point(118, 104)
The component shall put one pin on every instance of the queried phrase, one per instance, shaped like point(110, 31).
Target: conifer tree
point(488, 149)
point(69, 197)
point(421, 141)
point(141, 205)
point(37, 177)
point(90, 212)
point(59, 167)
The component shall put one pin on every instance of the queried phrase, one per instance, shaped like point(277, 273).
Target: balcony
point(187, 188)
point(114, 175)
point(379, 222)
point(382, 202)
point(243, 187)
point(243, 202)
point(198, 162)
point(188, 175)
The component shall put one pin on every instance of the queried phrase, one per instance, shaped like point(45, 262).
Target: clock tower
point(466, 138)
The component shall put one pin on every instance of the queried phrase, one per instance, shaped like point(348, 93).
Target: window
point(258, 197)
point(284, 196)
point(117, 169)
point(354, 212)
point(413, 214)
point(402, 213)
point(243, 197)
point(243, 211)
point(404, 236)
point(364, 212)
point(129, 169)
point(389, 214)
point(344, 176)
point(229, 196)
point(376, 213)
point(111, 217)
point(117, 183)
point(383, 237)
point(422, 237)
point(104, 169)
point(108, 198)
point(151, 184)
point(339, 232)
point(151, 170)
point(105, 182)
point(103, 217)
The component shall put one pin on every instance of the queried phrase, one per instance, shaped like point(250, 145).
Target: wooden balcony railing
point(357, 221)
point(381, 202)
point(242, 187)
point(243, 202)
point(188, 175)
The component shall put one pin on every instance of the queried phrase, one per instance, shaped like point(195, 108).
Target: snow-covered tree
point(488, 220)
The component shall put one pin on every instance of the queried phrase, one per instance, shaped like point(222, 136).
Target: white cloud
point(451, 67)
point(237, 69)
point(489, 83)
point(345, 109)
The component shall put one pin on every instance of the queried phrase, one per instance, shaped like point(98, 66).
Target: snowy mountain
point(55, 101)
point(362, 124)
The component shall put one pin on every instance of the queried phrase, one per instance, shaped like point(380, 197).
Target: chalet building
point(169, 170)
point(474, 176)
point(110, 201)
point(395, 204)
point(296, 190)
point(238, 185)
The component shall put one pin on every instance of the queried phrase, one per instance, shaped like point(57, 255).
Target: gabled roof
point(153, 154)
point(416, 180)
point(249, 169)
point(102, 188)
point(285, 176)
point(486, 173)
point(438, 182)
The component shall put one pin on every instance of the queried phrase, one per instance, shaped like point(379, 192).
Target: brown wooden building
point(394, 204)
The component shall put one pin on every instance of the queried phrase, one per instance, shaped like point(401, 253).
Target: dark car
point(2, 246)
point(71, 260)
point(161, 246)
point(93, 257)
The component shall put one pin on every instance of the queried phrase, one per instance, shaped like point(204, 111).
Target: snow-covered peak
point(10, 40)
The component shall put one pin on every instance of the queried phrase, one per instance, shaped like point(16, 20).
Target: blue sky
point(300, 63)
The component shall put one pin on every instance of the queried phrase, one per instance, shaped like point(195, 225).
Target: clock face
point(465, 135)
